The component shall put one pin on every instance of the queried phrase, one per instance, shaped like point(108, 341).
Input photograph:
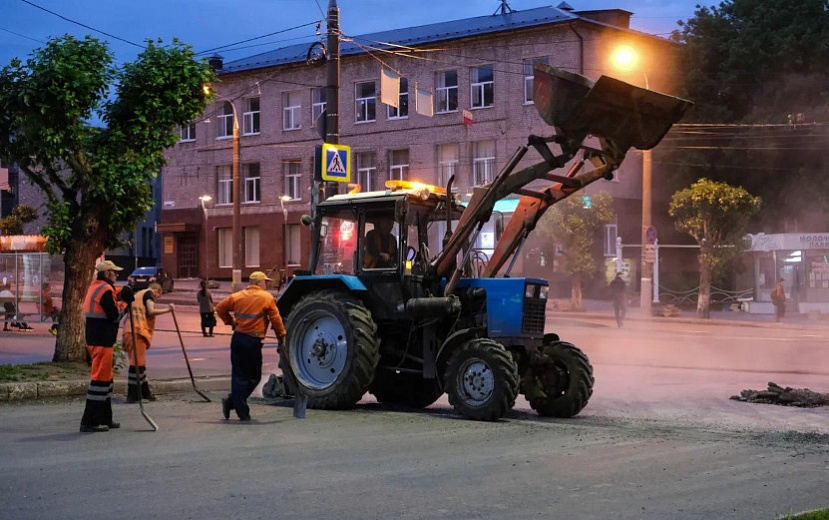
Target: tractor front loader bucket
point(627, 115)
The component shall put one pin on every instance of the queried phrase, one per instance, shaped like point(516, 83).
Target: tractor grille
point(534, 316)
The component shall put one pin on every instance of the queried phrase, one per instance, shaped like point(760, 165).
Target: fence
point(689, 297)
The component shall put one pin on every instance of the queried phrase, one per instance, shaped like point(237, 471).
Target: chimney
point(216, 62)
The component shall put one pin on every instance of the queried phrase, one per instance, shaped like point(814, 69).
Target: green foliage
point(573, 227)
point(119, 358)
point(19, 216)
point(96, 180)
point(716, 215)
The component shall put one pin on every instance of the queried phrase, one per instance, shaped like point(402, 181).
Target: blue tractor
point(397, 301)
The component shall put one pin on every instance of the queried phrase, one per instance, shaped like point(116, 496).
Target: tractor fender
point(455, 340)
point(301, 285)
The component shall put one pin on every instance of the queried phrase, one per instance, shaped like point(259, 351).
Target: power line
point(81, 24)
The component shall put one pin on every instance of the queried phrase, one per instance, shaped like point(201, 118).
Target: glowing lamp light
point(346, 230)
point(625, 58)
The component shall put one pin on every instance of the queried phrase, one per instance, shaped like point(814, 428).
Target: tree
point(572, 225)
point(716, 215)
point(17, 218)
point(96, 181)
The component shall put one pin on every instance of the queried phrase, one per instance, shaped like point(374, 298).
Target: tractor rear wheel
point(481, 380)
point(405, 389)
point(562, 384)
point(332, 348)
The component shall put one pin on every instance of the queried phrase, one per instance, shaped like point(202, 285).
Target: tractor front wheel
point(562, 383)
point(332, 348)
point(481, 380)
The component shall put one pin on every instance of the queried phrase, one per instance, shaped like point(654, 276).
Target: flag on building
point(389, 87)
point(467, 118)
point(423, 102)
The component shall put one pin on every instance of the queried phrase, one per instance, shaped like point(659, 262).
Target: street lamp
point(236, 237)
point(205, 198)
point(626, 58)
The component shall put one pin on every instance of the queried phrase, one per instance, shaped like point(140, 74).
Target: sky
point(210, 26)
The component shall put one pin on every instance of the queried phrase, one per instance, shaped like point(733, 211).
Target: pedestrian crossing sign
point(335, 162)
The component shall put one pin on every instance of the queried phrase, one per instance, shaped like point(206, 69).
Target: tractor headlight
point(544, 290)
point(529, 291)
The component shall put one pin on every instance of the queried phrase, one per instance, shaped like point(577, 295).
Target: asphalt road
point(659, 439)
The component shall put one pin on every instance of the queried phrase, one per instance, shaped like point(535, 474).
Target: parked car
point(142, 277)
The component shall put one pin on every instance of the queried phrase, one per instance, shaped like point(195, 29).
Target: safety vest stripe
point(94, 298)
point(250, 316)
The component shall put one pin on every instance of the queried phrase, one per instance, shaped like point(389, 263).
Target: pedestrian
point(206, 308)
point(103, 315)
point(144, 311)
point(778, 299)
point(47, 308)
point(252, 309)
point(619, 294)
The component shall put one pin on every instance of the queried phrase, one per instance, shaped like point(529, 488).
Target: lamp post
point(205, 198)
point(625, 58)
point(236, 236)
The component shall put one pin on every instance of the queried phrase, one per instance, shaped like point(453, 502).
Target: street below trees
point(660, 438)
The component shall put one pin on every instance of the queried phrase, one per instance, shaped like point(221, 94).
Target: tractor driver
point(380, 245)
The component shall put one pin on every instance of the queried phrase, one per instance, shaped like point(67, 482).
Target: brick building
point(480, 65)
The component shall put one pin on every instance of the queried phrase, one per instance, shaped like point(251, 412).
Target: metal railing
point(689, 297)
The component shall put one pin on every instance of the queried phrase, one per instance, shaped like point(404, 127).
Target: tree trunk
point(704, 297)
point(79, 263)
point(575, 293)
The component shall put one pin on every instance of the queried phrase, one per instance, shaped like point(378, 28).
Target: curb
point(35, 390)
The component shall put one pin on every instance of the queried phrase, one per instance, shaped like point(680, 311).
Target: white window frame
point(224, 185)
point(483, 162)
point(252, 176)
point(446, 96)
point(366, 170)
point(611, 231)
point(365, 104)
point(448, 159)
point(224, 246)
point(250, 118)
point(482, 91)
point(291, 110)
point(292, 170)
point(187, 133)
point(251, 246)
point(318, 103)
point(529, 80)
point(399, 165)
point(401, 111)
point(293, 249)
point(225, 119)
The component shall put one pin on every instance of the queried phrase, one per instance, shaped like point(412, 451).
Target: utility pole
point(332, 86)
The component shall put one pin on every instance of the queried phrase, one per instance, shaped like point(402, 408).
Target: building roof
point(412, 36)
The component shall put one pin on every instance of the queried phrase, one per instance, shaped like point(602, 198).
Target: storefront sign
point(788, 241)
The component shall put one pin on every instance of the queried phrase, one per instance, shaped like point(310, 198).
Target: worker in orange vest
point(252, 309)
point(103, 315)
point(144, 311)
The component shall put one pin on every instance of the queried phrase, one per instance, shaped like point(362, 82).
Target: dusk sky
point(210, 24)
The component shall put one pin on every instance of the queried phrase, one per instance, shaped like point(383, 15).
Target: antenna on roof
point(505, 8)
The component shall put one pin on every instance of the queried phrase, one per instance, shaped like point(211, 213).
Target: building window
point(252, 178)
point(292, 250)
point(446, 95)
point(399, 165)
point(402, 109)
point(250, 117)
point(365, 102)
point(528, 78)
point(188, 132)
point(225, 118)
point(483, 162)
point(292, 171)
point(225, 244)
point(447, 162)
point(224, 191)
point(251, 247)
point(317, 103)
point(610, 234)
point(291, 107)
point(483, 91)
point(367, 171)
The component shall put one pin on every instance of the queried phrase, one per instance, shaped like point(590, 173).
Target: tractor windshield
point(339, 245)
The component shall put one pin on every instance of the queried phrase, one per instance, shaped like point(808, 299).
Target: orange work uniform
point(144, 324)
